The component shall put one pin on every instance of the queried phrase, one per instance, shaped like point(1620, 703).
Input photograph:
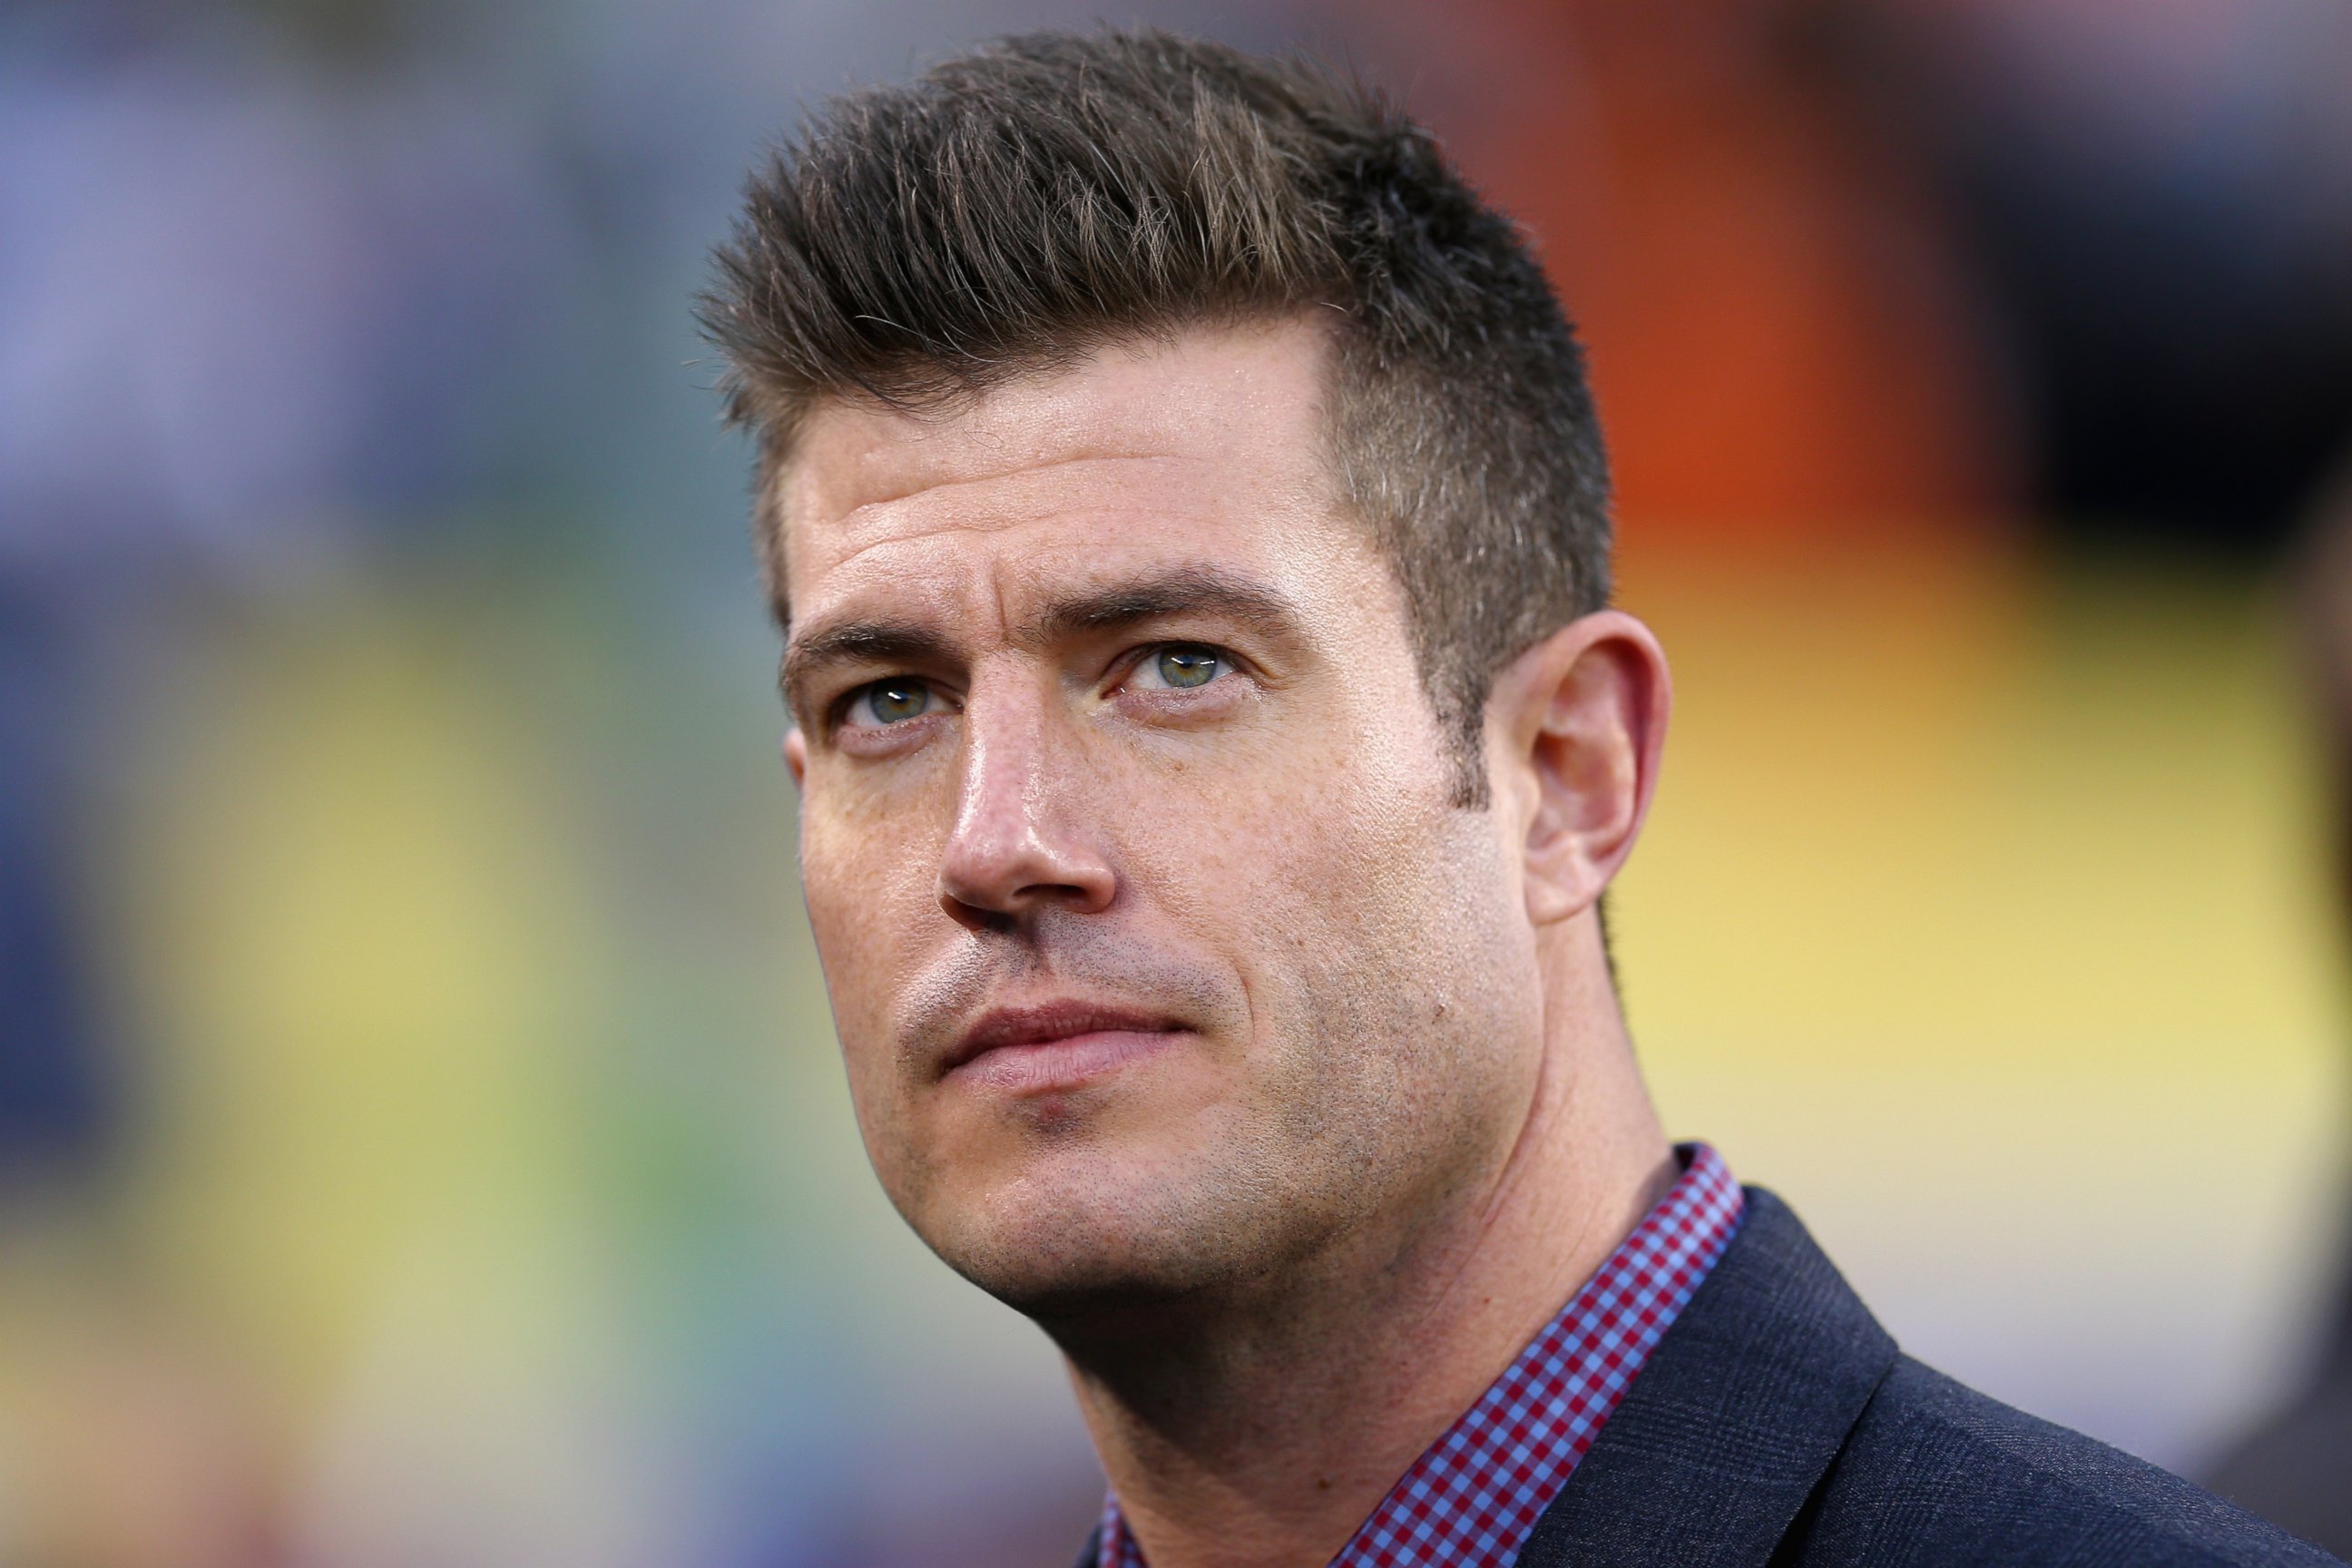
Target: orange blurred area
point(1781, 336)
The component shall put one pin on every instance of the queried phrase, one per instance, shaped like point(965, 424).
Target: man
point(1189, 524)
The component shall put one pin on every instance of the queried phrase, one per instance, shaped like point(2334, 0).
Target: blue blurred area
point(56, 1078)
point(256, 320)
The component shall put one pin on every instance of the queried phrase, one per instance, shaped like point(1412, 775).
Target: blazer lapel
point(1732, 1420)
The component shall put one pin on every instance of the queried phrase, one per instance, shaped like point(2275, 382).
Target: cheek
point(1317, 858)
point(870, 858)
point(871, 893)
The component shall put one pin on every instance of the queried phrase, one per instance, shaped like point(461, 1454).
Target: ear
point(796, 756)
point(1575, 728)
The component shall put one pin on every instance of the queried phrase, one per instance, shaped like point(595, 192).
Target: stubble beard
point(1375, 1099)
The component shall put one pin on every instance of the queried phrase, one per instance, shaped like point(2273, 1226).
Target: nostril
point(976, 918)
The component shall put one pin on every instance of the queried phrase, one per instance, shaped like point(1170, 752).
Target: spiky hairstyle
point(1016, 208)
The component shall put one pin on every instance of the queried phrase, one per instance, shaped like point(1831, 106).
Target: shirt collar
point(1472, 1497)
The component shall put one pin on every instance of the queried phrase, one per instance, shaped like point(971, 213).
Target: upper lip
point(1033, 1025)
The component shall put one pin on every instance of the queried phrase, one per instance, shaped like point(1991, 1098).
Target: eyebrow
point(856, 642)
point(1184, 590)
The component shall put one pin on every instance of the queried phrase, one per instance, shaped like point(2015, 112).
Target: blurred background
point(421, 1136)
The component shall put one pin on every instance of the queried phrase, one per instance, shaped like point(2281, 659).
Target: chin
point(1068, 1239)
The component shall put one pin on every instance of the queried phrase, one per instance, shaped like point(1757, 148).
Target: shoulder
point(1934, 1473)
point(1776, 1423)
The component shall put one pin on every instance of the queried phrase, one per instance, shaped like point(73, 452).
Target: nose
point(1021, 842)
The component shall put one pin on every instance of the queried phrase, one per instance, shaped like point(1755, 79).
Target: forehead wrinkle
point(990, 517)
point(998, 519)
point(1015, 468)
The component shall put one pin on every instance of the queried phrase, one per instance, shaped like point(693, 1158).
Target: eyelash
point(1226, 665)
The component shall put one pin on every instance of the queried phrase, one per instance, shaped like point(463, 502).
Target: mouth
point(1054, 1047)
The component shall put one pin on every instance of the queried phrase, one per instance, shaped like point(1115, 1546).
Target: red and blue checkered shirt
point(1472, 1497)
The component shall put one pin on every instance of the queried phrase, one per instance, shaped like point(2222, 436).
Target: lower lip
point(1055, 1065)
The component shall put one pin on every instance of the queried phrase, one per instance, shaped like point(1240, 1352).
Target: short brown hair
point(1018, 206)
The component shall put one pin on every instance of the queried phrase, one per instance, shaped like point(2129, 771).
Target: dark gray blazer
point(1776, 1425)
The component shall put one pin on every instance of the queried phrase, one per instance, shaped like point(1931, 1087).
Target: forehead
point(1209, 445)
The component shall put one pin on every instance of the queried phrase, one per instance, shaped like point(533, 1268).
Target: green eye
point(1188, 667)
point(894, 701)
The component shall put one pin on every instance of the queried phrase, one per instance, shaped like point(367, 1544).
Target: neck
point(1258, 1433)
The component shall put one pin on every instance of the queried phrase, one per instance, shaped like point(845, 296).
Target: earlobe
point(1592, 703)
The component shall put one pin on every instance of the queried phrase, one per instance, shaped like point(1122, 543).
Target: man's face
point(1159, 959)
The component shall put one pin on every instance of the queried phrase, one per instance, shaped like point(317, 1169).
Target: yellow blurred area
point(1980, 806)
point(1984, 913)
point(358, 1284)
point(370, 948)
